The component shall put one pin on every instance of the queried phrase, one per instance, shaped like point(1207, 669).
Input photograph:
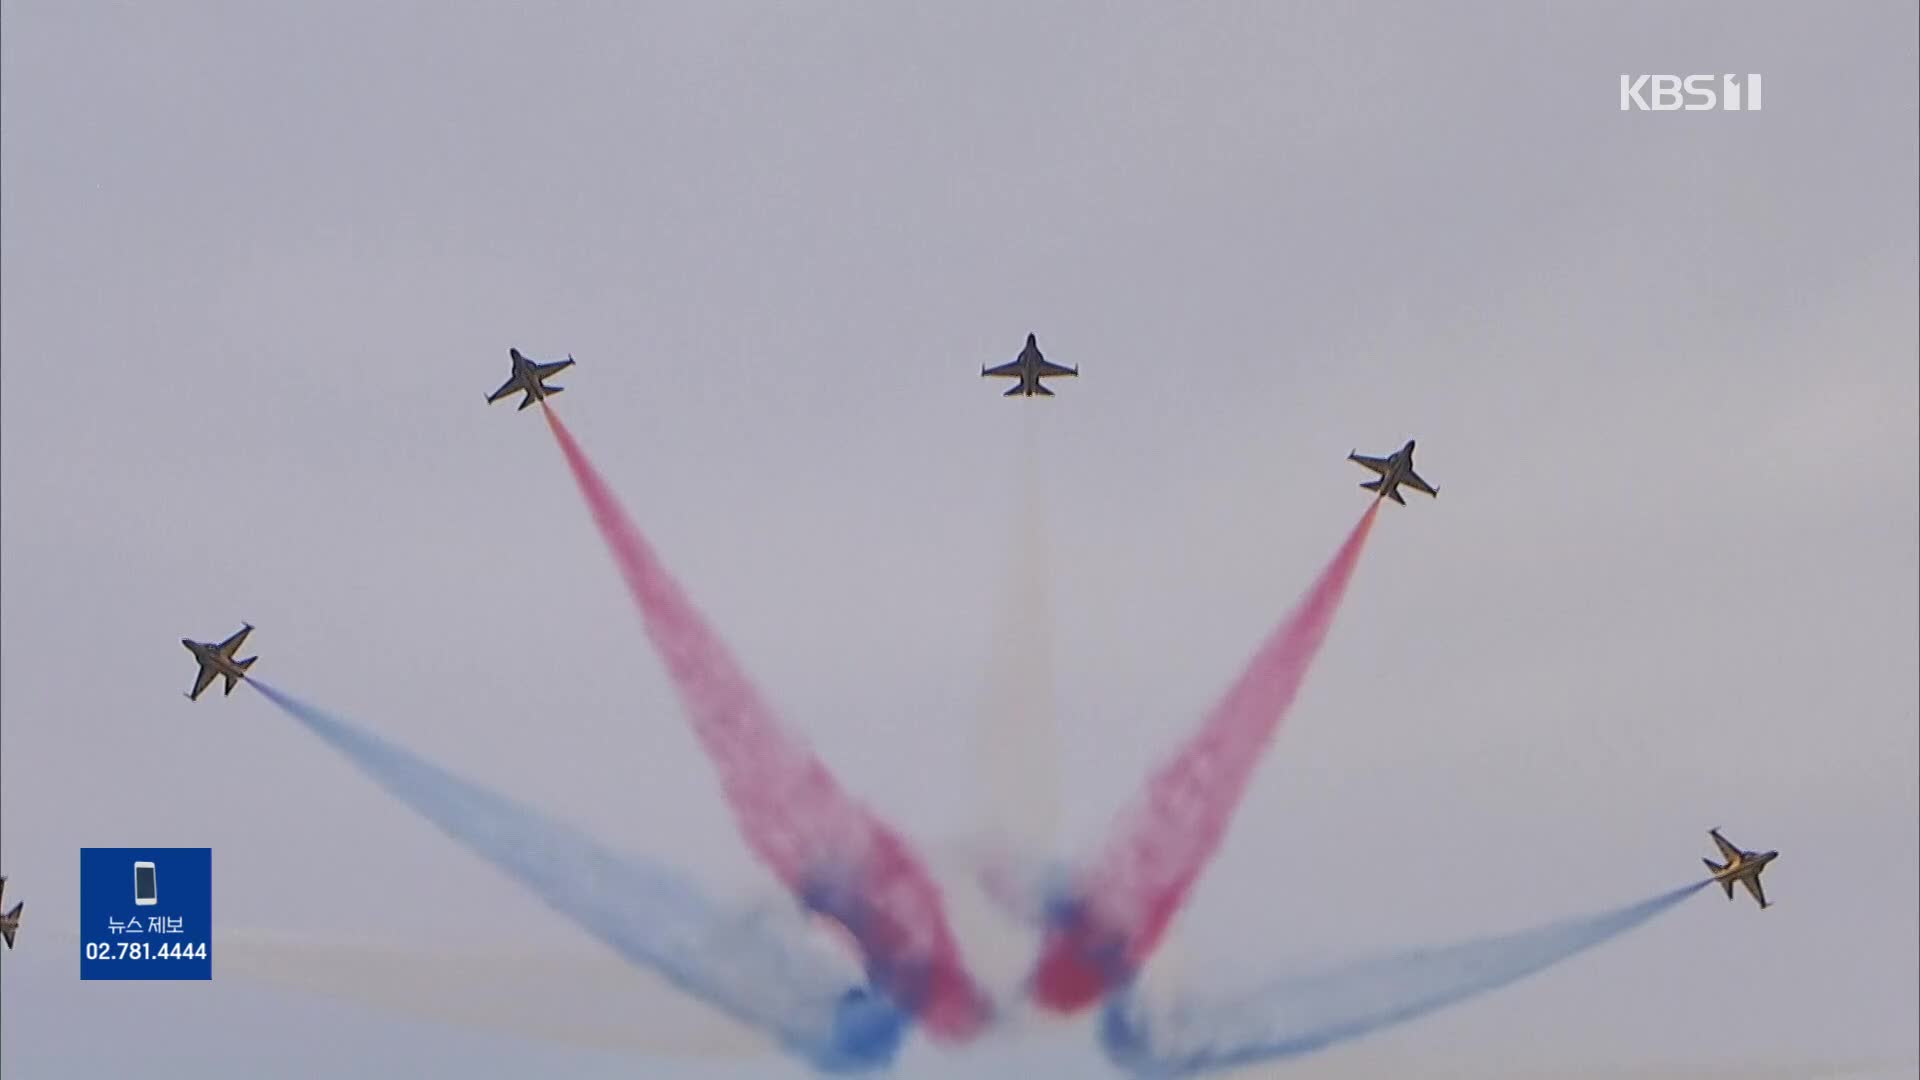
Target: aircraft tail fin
point(243, 665)
point(1394, 493)
point(13, 924)
point(1725, 883)
point(1016, 391)
point(545, 392)
point(1042, 390)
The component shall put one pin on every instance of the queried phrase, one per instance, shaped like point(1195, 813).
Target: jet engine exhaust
point(1120, 905)
point(831, 852)
point(1206, 1032)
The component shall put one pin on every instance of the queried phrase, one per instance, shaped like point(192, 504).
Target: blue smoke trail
point(735, 962)
point(1302, 1015)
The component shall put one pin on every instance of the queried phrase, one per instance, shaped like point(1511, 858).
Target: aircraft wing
point(1412, 480)
point(1727, 851)
point(506, 388)
point(1752, 883)
point(1048, 367)
point(1377, 464)
point(1010, 368)
point(203, 680)
point(541, 371)
point(232, 644)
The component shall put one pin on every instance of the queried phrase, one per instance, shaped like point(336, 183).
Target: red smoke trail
point(1123, 902)
point(832, 852)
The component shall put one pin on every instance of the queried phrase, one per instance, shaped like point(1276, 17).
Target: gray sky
point(261, 263)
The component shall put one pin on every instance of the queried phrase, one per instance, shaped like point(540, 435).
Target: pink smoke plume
point(832, 852)
point(1121, 904)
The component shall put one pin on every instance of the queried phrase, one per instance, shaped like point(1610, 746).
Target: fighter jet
point(1394, 470)
point(1029, 367)
point(10, 922)
point(530, 378)
point(217, 660)
point(1741, 866)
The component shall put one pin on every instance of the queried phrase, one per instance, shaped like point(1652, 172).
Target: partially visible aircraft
point(217, 660)
point(1741, 866)
point(1029, 367)
point(1394, 469)
point(10, 922)
point(530, 378)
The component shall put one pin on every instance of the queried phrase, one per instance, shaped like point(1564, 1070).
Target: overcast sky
point(263, 261)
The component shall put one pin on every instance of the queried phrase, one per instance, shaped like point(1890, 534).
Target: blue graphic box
point(146, 913)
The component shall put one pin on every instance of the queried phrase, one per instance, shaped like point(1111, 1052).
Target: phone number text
point(146, 950)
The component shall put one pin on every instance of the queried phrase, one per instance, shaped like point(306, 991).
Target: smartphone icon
point(146, 891)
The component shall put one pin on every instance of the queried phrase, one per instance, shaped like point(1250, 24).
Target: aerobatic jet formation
point(530, 378)
point(1029, 367)
point(1741, 866)
point(1394, 470)
point(10, 922)
point(217, 660)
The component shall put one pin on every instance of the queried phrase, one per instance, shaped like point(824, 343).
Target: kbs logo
point(1694, 93)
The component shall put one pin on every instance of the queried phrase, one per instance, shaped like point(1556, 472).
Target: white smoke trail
point(1019, 744)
